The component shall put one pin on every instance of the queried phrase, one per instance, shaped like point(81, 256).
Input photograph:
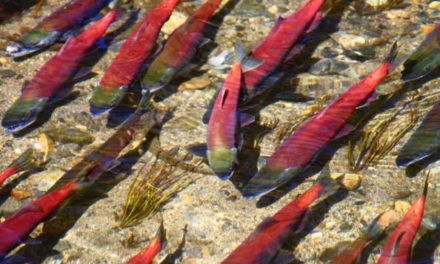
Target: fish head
point(156, 79)
point(103, 99)
point(32, 42)
point(267, 180)
point(222, 161)
point(22, 114)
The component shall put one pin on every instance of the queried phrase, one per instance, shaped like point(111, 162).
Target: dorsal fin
point(396, 244)
point(247, 62)
point(224, 96)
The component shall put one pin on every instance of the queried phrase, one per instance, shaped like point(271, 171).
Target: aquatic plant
point(149, 191)
point(380, 136)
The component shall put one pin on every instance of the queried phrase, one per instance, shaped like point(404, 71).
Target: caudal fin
point(392, 58)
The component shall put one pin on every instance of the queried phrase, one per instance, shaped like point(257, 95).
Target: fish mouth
point(17, 51)
point(21, 115)
point(32, 42)
point(104, 100)
point(267, 180)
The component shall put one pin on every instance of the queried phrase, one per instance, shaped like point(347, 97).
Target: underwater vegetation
point(149, 191)
point(380, 137)
point(310, 94)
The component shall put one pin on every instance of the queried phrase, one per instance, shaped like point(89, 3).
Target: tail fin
point(161, 234)
point(375, 229)
point(247, 62)
point(425, 188)
point(392, 59)
point(330, 185)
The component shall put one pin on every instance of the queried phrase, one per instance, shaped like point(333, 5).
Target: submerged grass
point(151, 189)
point(380, 136)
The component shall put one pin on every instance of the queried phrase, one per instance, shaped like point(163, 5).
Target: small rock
point(398, 14)
point(20, 195)
point(401, 206)
point(195, 84)
point(350, 181)
point(388, 218)
point(434, 5)
point(273, 9)
point(3, 61)
point(176, 19)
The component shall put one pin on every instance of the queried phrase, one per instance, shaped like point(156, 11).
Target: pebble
point(176, 19)
point(20, 195)
point(350, 181)
point(3, 61)
point(401, 206)
point(434, 5)
point(273, 9)
point(196, 83)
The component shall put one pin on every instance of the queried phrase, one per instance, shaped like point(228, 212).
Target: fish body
point(147, 255)
point(179, 49)
point(49, 80)
point(262, 245)
point(425, 140)
point(275, 48)
point(301, 148)
point(398, 247)
point(51, 28)
point(139, 46)
point(222, 150)
point(425, 59)
point(17, 227)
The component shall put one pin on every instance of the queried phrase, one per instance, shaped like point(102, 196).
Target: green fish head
point(155, 79)
point(222, 161)
point(103, 100)
point(22, 114)
point(32, 42)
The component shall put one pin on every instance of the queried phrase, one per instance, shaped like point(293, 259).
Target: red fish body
point(262, 245)
point(51, 28)
point(397, 250)
point(179, 49)
point(60, 69)
point(134, 52)
point(280, 41)
point(300, 149)
point(16, 228)
point(222, 151)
